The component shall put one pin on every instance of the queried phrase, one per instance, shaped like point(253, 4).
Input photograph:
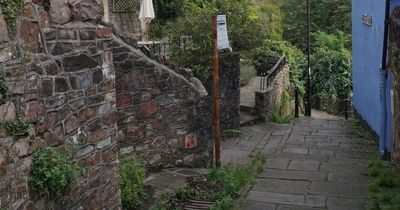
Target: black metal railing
point(269, 76)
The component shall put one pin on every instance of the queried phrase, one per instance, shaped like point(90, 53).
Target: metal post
point(308, 111)
point(296, 102)
point(217, 115)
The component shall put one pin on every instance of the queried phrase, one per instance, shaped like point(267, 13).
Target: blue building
point(372, 82)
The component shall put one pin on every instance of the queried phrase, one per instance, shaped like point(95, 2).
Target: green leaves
point(332, 67)
point(52, 173)
point(16, 127)
point(11, 10)
point(132, 176)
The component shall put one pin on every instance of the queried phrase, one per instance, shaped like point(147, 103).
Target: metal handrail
point(266, 78)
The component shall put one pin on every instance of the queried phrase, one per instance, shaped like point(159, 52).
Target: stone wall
point(268, 100)
point(66, 90)
point(229, 74)
point(164, 117)
point(90, 95)
point(394, 62)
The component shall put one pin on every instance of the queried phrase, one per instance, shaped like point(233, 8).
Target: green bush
point(16, 127)
point(244, 30)
point(52, 173)
point(132, 175)
point(267, 55)
point(332, 67)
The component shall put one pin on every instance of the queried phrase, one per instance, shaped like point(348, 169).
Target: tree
point(328, 16)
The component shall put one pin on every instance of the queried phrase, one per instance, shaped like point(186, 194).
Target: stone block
point(147, 110)
point(191, 141)
point(60, 12)
point(33, 111)
point(79, 62)
point(3, 31)
point(84, 10)
point(7, 111)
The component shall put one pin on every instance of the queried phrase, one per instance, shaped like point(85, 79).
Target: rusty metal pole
point(217, 114)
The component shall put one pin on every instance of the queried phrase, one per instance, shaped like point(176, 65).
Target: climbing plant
point(52, 173)
point(11, 10)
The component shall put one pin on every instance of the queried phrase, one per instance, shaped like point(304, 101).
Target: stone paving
point(312, 164)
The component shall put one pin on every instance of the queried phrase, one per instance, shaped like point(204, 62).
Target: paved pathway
point(312, 164)
point(247, 95)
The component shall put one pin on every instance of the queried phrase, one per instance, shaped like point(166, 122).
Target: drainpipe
point(383, 151)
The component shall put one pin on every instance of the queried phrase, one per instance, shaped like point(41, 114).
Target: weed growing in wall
point(3, 85)
point(132, 176)
point(16, 127)
point(52, 173)
point(11, 10)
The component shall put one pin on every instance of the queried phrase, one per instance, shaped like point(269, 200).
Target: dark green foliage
point(168, 10)
point(327, 16)
point(132, 175)
point(52, 173)
point(3, 85)
point(11, 10)
point(266, 56)
point(16, 127)
point(332, 67)
point(244, 30)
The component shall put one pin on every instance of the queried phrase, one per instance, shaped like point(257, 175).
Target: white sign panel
point(222, 29)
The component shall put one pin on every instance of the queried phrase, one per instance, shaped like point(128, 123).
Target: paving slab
point(315, 164)
point(302, 165)
point(252, 205)
point(293, 175)
point(282, 186)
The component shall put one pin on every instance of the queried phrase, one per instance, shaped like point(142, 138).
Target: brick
point(71, 124)
point(33, 111)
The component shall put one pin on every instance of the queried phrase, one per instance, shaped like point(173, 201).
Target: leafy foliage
point(245, 29)
point(52, 173)
point(327, 16)
point(132, 176)
point(266, 56)
point(11, 10)
point(331, 67)
point(16, 127)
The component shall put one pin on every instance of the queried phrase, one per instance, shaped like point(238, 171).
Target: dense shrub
point(267, 55)
point(52, 173)
point(331, 63)
point(191, 34)
point(132, 176)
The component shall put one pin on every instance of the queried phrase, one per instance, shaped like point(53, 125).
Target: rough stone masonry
point(89, 94)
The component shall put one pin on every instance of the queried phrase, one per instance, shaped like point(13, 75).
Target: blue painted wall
point(367, 58)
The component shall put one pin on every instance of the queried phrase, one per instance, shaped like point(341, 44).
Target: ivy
point(52, 173)
point(11, 10)
point(16, 127)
